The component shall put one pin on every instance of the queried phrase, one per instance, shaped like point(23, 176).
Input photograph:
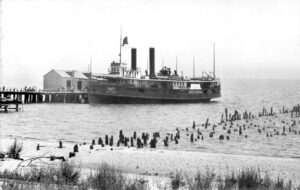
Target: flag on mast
point(125, 41)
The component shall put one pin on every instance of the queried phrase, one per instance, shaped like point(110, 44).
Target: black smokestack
point(133, 59)
point(152, 62)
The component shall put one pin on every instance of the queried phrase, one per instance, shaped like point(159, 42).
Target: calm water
point(81, 122)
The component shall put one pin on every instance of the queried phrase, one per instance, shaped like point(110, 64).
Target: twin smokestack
point(152, 61)
point(133, 59)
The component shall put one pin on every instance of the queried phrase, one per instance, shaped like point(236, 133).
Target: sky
point(253, 39)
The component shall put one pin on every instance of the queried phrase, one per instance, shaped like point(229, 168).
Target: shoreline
point(157, 162)
point(72, 143)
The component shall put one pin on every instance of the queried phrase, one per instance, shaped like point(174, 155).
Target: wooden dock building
point(60, 86)
point(65, 80)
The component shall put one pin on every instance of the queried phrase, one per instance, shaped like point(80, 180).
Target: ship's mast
point(214, 62)
point(121, 46)
point(193, 67)
point(147, 65)
point(1, 65)
point(91, 61)
point(176, 63)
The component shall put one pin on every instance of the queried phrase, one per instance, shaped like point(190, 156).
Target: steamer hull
point(107, 93)
point(104, 99)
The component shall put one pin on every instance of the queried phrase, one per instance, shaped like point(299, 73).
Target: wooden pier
point(5, 104)
point(46, 97)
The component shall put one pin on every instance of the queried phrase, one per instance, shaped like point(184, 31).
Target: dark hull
point(110, 99)
point(105, 92)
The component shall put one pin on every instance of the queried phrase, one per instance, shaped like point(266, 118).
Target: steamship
point(124, 85)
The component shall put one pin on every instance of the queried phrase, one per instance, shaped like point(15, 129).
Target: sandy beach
point(154, 162)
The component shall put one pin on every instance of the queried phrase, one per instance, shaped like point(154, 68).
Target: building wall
point(53, 81)
point(65, 83)
point(85, 84)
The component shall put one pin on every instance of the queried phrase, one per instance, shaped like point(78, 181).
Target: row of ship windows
point(130, 81)
point(144, 82)
point(116, 69)
point(179, 83)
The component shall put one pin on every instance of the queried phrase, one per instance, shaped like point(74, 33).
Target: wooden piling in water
point(46, 97)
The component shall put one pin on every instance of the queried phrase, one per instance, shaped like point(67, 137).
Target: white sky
point(254, 39)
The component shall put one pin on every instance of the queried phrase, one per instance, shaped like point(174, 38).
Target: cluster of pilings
point(266, 124)
point(5, 105)
point(66, 97)
point(266, 113)
point(45, 97)
point(130, 141)
point(296, 111)
point(236, 116)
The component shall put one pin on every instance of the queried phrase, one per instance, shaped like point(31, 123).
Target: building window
point(68, 84)
point(79, 85)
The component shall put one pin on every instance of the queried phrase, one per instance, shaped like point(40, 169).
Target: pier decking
point(5, 104)
point(45, 97)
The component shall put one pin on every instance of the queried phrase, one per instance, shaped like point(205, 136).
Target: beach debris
point(153, 143)
point(75, 148)
point(52, 158)
point(139, 143)
point(206, 123)
point(259, 130)
point(156, 134)
point(145, 137)
point(176, 141)
point(121, 136)
point(192, 137)
point(2, 155)
point(106, 139)
point(228, 131)
point(221, 137)
point(72, 154)
point(60, 144)
point(100, 141)
point(111, 142)
point(240, 130)
point(131, 142)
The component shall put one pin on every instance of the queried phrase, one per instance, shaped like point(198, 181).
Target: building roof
point(79, 75)
point(70, 74)
point(62, 73)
